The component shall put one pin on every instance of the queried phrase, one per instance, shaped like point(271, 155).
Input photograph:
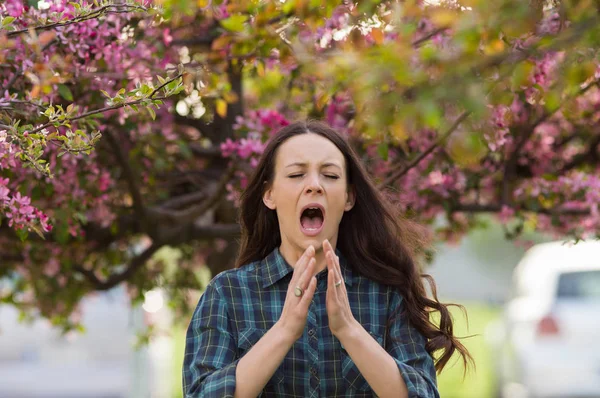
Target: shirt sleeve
point(407, 346)
point(210, 362)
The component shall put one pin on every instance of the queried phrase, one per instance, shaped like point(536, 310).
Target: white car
point(550, 345)
point(36, 361)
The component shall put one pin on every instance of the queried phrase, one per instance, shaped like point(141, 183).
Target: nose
point(313, 185)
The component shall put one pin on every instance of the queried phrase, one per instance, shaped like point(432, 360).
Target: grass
point(478, 382)
point(178, 333)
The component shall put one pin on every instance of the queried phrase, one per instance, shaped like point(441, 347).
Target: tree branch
point(134, 189)
point(400, 169)
point(118, 9)
point(590, 155)
point(184, 200)
point(19, 72)
point(198, 150)
point(496, 208)
point(191, 214)
point(204, 128)
point(223, 231)
point(102, 237)
point(420, 41)
point(115, 279)
point(511, 163)
point(110, 108)
point(200, 40)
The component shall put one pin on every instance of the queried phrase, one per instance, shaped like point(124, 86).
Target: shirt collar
point(274, 267)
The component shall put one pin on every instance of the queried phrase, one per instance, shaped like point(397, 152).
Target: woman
point(326, 298)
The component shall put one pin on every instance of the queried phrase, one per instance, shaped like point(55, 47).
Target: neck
point(291, 253)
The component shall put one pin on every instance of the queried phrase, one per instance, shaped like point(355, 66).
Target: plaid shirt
point(240, 305)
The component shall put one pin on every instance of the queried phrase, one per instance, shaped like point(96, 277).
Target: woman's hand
point(338, 307)
point(295, 309)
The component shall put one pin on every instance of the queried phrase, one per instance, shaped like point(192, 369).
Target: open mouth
point(312, 220)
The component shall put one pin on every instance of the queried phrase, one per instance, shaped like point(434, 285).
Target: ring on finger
point(298, 291)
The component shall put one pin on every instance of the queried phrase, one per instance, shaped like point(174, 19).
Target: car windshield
point(583, 284)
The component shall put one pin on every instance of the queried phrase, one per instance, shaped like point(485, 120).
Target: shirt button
point(313, 371)
point(311, 332)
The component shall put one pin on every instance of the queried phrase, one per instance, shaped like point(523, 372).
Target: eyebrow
point(303, 164)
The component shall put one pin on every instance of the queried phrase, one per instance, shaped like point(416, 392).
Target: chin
point(316, 241)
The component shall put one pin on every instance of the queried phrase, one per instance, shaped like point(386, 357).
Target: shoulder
point(236, 277)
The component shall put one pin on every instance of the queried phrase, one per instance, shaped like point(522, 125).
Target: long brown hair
point(385, 251)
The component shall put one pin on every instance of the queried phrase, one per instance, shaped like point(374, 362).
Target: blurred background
point(105, 362)
point(129, 128)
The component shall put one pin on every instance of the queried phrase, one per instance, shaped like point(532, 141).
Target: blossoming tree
point(457, 108)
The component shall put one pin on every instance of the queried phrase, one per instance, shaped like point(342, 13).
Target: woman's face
point(309, 192)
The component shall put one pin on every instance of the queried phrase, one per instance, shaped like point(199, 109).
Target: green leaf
point(432, 115)
point(81, 217)
point(185, 150)
point(65, 92)
point(234, 23)
point(552, 101)
point(7, 21)
point(288, 7)
point(38, 231)
point(146, 89)
point(152, 113)
point(22, 234)
point(383, 150)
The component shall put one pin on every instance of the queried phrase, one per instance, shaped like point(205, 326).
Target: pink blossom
point(519, 113)
point(4, 194)
point(506, 214)
point(228, 147)
point(167, 38)
point(436, 178)
point(249, 147)
point(52, 267)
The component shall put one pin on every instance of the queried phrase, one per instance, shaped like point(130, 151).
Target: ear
point(350, 198)
point(268, 198)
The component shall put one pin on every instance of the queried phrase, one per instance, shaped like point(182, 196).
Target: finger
point(309, 292)
point(303, 281)
point(341, 289)
point(302, 262)
point(331, 277)
point(327, 246)
point(343, 293)
point(336, 264)
point(338, 269)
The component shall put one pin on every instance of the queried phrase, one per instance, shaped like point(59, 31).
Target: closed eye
point(333, 177)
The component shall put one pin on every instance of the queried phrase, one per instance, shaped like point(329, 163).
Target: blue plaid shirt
point(240, 305)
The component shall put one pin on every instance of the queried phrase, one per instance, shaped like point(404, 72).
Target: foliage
point(457, 108)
